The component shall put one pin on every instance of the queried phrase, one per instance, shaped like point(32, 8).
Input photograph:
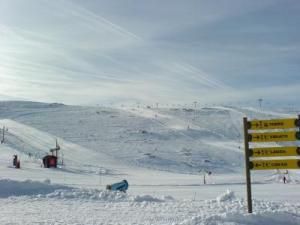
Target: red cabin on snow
point(50, 161)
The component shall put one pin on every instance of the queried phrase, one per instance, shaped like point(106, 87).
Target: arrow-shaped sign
point(275, 151)
point(274, 164)
point(274, 136)
point(273, 124)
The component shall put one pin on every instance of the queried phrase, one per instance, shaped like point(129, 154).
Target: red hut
point(50, 161)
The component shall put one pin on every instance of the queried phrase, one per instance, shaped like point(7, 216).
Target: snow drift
point(10, 188)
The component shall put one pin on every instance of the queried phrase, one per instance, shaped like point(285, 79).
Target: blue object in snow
point(121, 186)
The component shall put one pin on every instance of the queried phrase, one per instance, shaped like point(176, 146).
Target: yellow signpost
point(260, 132)
point(273, 124)
point(275, 164)
point(275, 151)
point(274, 136)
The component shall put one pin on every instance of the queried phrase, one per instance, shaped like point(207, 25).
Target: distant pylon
point(260, 102)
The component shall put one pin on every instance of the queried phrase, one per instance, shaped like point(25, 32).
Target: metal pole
point(3, 134)
point(248, 175)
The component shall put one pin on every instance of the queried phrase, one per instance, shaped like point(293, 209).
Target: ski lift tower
point(260, 100)
point(56, 149)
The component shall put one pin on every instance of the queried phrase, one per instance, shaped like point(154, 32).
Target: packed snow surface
point(165, 154)
point(89, 206)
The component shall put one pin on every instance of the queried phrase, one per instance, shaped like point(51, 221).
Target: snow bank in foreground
point(45, 189)
point(107, 196)
point(62, 211)
point(264, 218)
point(18, 188)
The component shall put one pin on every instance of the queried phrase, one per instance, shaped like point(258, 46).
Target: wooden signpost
point(261, 131)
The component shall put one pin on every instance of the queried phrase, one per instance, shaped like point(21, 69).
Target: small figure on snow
point(284, 179)
point(15, 160)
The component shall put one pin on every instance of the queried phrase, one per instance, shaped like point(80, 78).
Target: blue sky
point(171, 51)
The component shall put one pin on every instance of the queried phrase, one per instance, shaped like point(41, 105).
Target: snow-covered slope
point(179, 140)
point(163, 153)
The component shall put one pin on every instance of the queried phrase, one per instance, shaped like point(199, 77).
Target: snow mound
point(45, 189)
point(89, 194)
point(20, 188)
point(9, 188)
point(149, 198)
point(227, 196)
point(279, 176)
point(106, 196)
point(265, 218)
point(230, 210)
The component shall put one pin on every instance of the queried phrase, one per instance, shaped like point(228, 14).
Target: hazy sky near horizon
point(171, 51)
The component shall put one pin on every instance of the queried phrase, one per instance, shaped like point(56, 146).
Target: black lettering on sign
point(279, 136)
point(276, 124)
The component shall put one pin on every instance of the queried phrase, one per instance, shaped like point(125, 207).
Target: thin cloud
point(201, 76)
point(93, 19)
